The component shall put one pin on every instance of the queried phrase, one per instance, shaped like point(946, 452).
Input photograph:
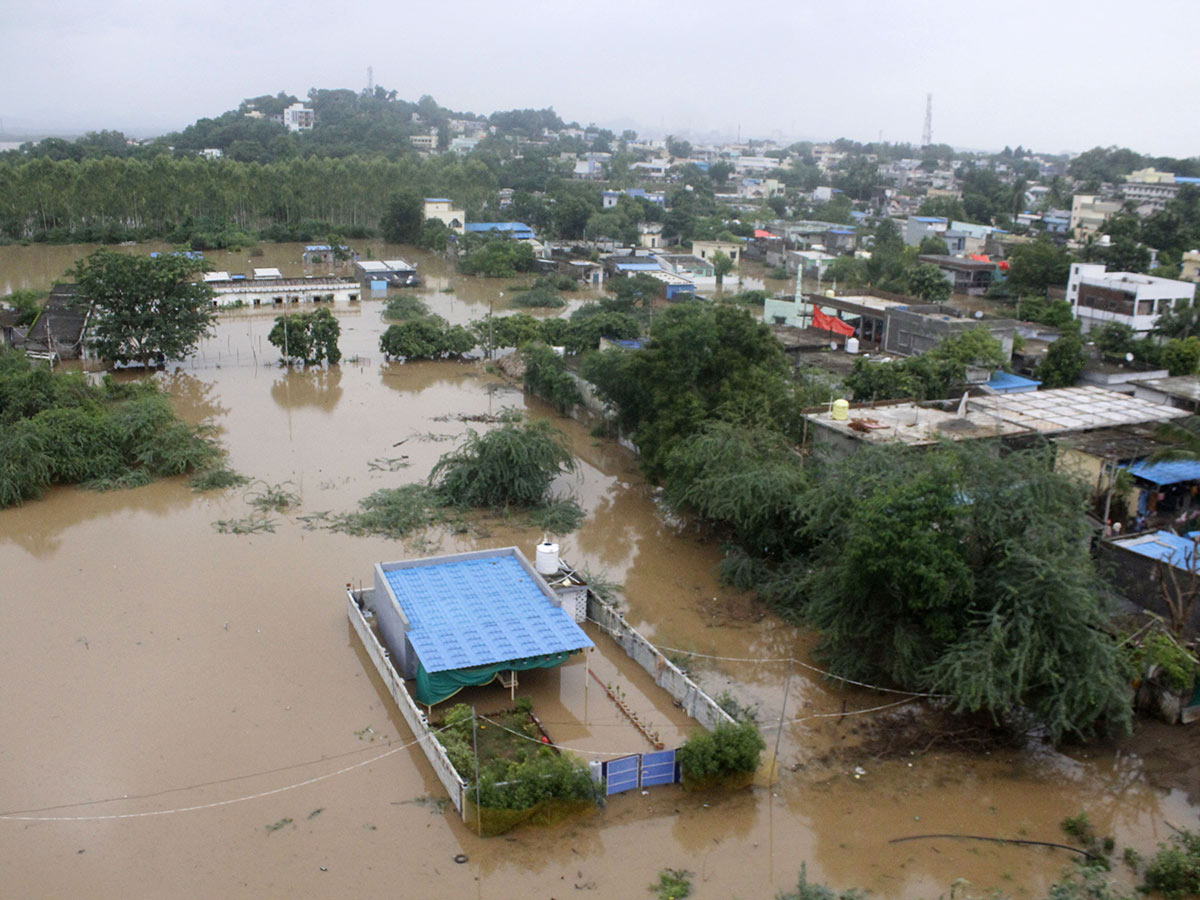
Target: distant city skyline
point(1051, 77)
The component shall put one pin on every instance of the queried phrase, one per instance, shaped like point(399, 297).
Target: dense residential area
point(892, 450)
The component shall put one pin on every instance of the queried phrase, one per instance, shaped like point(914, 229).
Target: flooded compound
point(190, 709)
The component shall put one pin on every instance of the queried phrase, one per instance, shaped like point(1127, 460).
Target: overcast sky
point(1049, 75)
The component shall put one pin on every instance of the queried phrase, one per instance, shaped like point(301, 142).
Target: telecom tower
point(370, 80)
point(927, 133)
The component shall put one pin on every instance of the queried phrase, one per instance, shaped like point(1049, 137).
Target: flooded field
point(170, 692)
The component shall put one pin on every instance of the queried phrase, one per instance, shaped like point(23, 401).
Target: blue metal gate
point(658, 768)
point(621, 774)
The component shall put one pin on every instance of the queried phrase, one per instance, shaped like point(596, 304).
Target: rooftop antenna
point(927, 133)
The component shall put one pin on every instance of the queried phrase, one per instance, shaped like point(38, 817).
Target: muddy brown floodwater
point(169, 692)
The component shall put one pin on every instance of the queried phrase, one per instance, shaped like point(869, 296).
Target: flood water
point(169, 691)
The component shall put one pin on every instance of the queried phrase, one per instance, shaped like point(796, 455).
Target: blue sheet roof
point(1008, 383)
point(480, 611)
point(1173, 471)
point(639, 267)
point(517, 229)
point(1166, 546)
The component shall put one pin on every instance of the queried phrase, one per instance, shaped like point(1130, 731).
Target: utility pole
point(475, 746)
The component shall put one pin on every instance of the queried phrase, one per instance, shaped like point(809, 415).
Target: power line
point(216, 803)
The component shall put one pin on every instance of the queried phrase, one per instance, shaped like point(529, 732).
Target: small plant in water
point(672, 884)
point(275, 826)
point(273, 497)
point(247, 525)
point(217, 480)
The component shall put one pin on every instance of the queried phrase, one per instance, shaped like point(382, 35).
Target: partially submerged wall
point(434, 752)
point(694, 700)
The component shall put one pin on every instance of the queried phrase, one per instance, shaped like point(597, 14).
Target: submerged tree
point(145, 309)
point(513, 465)
point(310, 338)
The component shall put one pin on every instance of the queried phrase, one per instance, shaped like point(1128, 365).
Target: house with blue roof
point(465, 619)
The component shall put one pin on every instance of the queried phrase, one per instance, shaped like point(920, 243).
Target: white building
point(443, 210)
point(1097, 297)
point(297, 117)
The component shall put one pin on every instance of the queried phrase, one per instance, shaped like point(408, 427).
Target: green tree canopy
point(512, 465)
point(144, 308)
point(405, 218)
point(701, 362)
point(1064, 362)
point(1035, 266)
point(310, 338)
point(927, 282)
point(964, 571)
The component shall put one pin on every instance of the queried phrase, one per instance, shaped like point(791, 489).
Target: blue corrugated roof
point(1166, 546)
point(481, 611)
point(639, 267)
point(498, 226)
point(1168, 472)
point(1008, 383)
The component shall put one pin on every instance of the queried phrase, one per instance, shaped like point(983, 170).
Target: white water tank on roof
point(547, 558)
point(851, 345)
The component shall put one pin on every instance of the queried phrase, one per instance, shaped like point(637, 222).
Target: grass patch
point(404, 307)
point(245, 525)
point(672, 884)
point(273, 498)
point(217, 479)
point(538, 298)
point(392, 513)
point(388, 463)
point(558, 516)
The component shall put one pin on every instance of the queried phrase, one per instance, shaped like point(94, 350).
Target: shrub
point(727, 755)
point(1175, 870)
point(514, 465)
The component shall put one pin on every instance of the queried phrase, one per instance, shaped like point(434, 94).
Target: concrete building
point(1190, 270)
point(706, 249)
point(1097, 296)
point(966, 276)
point(917, 228)
point(443, 210)
point(1150, 189)
point(1089, 213)
point(424, 142)
point(298, 117)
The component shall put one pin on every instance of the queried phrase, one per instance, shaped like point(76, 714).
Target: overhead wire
point(218, 803)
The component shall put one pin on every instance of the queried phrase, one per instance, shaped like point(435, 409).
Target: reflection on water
point(143, 652)
point(318, 387)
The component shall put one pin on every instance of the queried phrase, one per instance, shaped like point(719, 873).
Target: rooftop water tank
point(840, 412)
point(547, 558)
point(851, 345)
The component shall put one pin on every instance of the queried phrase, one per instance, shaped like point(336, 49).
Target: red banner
point(829, 323)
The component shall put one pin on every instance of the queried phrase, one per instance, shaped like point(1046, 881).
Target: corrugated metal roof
point(1165, 546)
point(1173, 471)
point(480, 611)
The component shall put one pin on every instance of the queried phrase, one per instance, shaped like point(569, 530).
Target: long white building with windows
point(1097, 297)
